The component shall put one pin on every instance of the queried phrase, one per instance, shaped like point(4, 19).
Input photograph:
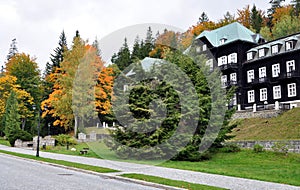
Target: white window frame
point(275, 49)
point(222, 60)
point(204, 47)
point(276, 92)
point(292, 91)
point(250, 76)
point(210, 64)
point(232, 58)
point(289, 45)
point(233, 77)
point(198, 49)
point(275, 70)
point(249, 56)
point(263, 94)
point(261, 52)
point(290, 66)
point(251, 96)
point(224, 80)
point(262, 72)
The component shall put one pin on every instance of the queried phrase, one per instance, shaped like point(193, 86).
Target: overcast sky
point(37, 24)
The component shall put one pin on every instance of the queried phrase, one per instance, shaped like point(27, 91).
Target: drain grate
point(65, 174)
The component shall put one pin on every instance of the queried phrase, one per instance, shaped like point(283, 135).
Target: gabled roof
point(231, 32)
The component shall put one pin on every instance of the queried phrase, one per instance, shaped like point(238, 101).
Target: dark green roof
point(231, 32)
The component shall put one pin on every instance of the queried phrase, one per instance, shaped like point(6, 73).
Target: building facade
point(266, 74)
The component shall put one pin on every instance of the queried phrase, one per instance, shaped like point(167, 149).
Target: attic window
point(289, 45)
point(261, 52)
point(222, 41)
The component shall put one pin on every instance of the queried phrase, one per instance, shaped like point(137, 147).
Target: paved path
point(233, 183)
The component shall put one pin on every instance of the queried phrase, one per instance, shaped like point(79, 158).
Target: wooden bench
point(84, 151)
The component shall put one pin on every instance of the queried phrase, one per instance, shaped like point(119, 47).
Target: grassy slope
point(266, 166)
point(283, 127)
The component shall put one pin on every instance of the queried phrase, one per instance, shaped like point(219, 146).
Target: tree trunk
point(76, 126)
point(23, 123)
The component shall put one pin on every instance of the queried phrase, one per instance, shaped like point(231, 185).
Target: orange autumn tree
point(76, 87)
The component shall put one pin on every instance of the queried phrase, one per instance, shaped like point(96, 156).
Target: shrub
point(18, 134)
point(281, 147)
point(230, 147)
point(64, 140)
point(258, 148)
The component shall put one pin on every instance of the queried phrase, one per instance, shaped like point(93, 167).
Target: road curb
point(104, 175)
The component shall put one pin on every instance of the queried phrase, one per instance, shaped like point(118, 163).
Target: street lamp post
point(38, 130)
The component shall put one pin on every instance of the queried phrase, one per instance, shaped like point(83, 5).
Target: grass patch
point(62, 162)
point(265, 166)
point(4, 142)
point(78, 147)
point(284, 127)
point(169, 182)
point(100, 130)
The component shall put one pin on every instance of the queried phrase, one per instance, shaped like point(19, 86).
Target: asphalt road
point(19, 174)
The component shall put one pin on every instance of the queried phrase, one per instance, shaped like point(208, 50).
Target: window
point(249, 56)
point(210, 64)
point(222, 60)
point(250, 75)
point(276, 92)
point(233, 101)
point(198, 49)
point(232, 58)
point(274, 49)
point(262, 72)
point(275, 70)
point(263, 94)
point(290, 66)
point(251, 97)
point(224, 80)
point(204, 47)
point(291, 90)
point(233, 77)
point(261, 52)
point(289, 45)
point(222, 41)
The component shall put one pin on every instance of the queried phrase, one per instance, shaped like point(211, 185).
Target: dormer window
point(275, 48)
point(289, 45)
point(222, 41)
point(250, 55)
point(262, 52)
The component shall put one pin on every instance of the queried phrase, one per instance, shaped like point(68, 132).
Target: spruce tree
point(57, 57)
point(11, 117)
point(13, 50)
point(136, 51)
point(274, 5)
point(122, 59)
point(256, 19)
point(203, 18)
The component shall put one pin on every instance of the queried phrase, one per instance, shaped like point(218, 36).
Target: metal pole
point(38, 139)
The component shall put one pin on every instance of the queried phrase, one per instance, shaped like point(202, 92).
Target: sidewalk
point(233, 183)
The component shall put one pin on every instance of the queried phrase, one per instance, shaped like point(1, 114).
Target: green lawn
point(266, 166)
point(62, 162)
point(283, 127)
point(169, 182)
point(4, 142)
point(78, 147)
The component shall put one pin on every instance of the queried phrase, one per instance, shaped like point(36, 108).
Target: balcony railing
point(229, 66)
point(290, 74)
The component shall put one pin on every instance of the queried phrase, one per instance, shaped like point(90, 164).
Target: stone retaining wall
point(259, 114)
point(293, 145)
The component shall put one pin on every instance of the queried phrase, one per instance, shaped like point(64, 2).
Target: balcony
point(229, 66)
point(291, 74)
point(229, 84)
point(260, 80)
